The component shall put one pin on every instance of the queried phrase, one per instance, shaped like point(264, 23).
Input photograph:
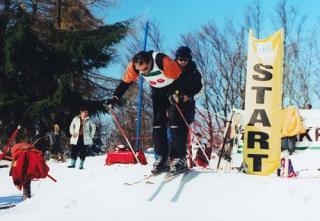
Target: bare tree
point(219, 56)
point(314, 65)
point(254, 17)
point(155, 39)
point(298, 52)
point(220, 53)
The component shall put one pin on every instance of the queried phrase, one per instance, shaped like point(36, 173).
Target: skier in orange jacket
point(161, 72)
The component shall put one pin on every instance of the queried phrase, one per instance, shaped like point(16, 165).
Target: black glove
point(111, 103)
point(175, 98)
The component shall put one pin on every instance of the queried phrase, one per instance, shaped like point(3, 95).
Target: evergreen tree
point(51, 68)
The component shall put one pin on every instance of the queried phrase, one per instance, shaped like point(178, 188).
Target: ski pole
point(197, 141)
point(123, 133)
point(53, 179)
point(225, 137)
point(13, 136)
point(189, 150)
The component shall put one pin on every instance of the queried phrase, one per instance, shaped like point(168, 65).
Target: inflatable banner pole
point(263, 104)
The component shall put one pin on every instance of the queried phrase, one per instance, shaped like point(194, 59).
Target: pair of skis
point(147, 179)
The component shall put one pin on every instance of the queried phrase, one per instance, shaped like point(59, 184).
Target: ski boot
point(160, 165)
point(178, 165)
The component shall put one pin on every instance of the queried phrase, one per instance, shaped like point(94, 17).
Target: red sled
point(125, 156)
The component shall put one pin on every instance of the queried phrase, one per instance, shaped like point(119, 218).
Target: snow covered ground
point(99, 193)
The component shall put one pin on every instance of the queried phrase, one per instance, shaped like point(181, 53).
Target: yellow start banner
point(263, 104)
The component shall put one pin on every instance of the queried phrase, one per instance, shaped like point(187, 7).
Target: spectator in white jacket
point(82, 130)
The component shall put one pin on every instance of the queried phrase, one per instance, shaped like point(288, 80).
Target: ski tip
point(177, 174)
point(7, 206)
point(128, 184)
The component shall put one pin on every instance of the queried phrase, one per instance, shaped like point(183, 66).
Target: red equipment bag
point(28, 164)
point(124, 156)
point(201, 159)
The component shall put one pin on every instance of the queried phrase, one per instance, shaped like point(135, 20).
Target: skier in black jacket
point(187, 85)
point(190, 82)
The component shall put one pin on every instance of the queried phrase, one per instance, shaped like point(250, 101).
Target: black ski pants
point(166, 115)
point(79, 149)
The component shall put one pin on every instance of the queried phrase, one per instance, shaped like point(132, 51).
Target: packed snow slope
point(98, 193)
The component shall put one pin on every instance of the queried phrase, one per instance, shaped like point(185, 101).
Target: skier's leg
point(160, 142)
point(179, 141)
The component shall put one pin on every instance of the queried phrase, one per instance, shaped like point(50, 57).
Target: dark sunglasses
point(183, 59)
point(145, 69)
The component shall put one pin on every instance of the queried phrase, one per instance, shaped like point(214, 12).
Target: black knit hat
point(184, 52)
point(84, 108)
